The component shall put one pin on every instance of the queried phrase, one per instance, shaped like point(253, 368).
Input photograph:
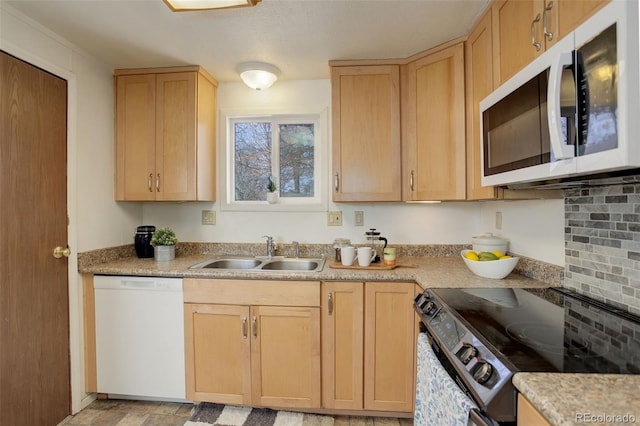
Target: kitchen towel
point(206, 413)
point(439, 401)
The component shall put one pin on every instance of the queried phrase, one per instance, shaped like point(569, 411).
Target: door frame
point(79, 398)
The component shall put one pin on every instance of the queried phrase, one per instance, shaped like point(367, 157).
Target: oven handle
point(476, 418)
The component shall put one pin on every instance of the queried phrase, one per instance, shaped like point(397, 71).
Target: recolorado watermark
point(604, 418)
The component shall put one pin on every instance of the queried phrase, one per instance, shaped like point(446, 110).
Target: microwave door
point(597, 71)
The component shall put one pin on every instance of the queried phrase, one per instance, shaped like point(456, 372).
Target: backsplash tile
point(602, 244)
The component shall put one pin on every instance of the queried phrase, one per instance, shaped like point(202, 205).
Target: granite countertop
point(569, 399)
point(434, 272)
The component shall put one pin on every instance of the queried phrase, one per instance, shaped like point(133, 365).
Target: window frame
point(229, 117)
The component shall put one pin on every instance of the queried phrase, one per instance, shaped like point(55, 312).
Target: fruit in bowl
point(486, 264)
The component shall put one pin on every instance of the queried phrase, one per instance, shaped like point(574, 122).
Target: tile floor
point(116, 412)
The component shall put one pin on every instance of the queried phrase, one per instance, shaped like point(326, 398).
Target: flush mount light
point(258, 75)
point(184, 5)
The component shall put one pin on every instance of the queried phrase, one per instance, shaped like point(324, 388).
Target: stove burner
point(540, 337)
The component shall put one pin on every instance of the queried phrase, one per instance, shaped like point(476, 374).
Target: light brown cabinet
point(528, 415)
point(368, 346)
point(523, 29)
point(165, 134)
point(366, 133)
point(246, 344)
point(433, 113)
point(479, 82)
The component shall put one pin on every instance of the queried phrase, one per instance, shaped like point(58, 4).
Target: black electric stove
point(484, 336)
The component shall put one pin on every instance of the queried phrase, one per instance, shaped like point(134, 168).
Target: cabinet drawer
point(252, 292)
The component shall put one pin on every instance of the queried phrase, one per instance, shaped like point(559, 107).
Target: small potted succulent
point(272, 191)
point(164, 241)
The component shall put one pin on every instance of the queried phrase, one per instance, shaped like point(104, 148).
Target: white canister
point(489, 242)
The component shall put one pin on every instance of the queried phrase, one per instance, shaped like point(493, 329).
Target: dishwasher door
point(140, 336)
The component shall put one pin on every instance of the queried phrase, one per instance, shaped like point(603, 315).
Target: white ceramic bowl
point(496, 269)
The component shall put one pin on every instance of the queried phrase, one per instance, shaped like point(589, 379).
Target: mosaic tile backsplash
point(602, 244)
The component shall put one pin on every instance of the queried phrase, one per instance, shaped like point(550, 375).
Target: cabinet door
point(434, 119)
point(135, 137)
point(342, 345)
point(479, 66)
point(176, 136)
point(571, 13)
point(389, 346)
point(217, 347)
point(513, 21)
point(285, 356)
point(366, 133)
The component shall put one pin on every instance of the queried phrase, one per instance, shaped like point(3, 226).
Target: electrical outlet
point(334, 218)
point(208, 217)
point(359, 218)
point(498, 220)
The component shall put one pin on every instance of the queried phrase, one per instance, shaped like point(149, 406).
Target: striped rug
point(207, 413)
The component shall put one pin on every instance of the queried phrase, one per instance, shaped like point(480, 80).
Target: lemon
point(471, 255)
point(498, 253)
point(504, 257)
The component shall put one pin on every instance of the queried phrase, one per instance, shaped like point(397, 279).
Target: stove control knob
point(466, 353)
point(429, 307)
point(482, 371)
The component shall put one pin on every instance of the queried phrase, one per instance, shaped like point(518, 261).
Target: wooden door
point(342, 345)
point(366, 133)
point(176, 136)
point(479, 65)
point(571, 13)
point(285, 356)
point(217, 349)
point(136, 137)
point(435, 139)
point(512, 22)
point(389, 346)
point(34, 299)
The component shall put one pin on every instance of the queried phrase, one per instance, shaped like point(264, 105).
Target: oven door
point(437, 394)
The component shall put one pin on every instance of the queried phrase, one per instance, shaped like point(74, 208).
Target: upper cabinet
point(433, 134)
point(523, 29)
point(165, 134)
point(366, 133)
point(479, 77)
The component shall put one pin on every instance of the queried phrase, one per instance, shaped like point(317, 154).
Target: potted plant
point(164, 241)
point(272, 191)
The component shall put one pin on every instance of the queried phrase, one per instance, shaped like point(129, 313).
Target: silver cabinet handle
point(337, 182)
point(149, 182)
point(254, 327)
point(330, 304)
point(158, 182)
point(547, 33)
point(533, 33)
point(244, 327)
point(411, 180)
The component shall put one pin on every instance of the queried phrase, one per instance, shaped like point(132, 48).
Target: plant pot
point(165, 253)
point(272, 197)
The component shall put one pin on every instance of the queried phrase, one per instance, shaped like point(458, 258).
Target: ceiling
point(297, 36)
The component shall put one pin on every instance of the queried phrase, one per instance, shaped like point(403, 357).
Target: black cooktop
point(550, 330)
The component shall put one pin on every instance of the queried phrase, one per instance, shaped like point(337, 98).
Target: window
point(285, 149)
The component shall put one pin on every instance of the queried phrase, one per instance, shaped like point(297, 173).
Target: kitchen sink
point(276, 263)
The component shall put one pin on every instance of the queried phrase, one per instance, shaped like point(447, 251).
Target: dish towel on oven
point(439, 401)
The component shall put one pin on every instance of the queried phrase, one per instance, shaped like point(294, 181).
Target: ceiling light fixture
point(258, 75)
point(185, 5)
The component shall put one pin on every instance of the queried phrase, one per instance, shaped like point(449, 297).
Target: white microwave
point(573, 111)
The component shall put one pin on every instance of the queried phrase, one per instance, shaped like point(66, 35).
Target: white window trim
point(289, 204)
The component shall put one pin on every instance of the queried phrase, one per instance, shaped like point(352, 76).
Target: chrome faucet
point(296, 249)
point(271, 246)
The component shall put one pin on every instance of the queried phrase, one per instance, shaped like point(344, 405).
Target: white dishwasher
point(140, 336)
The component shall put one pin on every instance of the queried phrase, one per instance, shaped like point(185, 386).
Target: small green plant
point(271, 185)
point(164, 237)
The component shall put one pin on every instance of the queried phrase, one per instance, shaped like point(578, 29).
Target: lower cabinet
point(253, 351)
point(368, 346)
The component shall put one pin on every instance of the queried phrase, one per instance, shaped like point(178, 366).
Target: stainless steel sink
point(231, 263)
point(293, 265)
